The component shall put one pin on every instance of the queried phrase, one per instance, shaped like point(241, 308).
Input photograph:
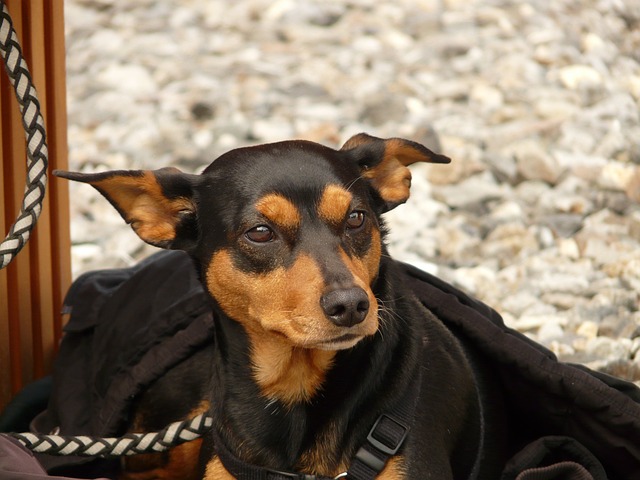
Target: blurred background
point(536, 102)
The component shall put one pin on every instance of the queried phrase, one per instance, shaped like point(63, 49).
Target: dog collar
point(384, 440)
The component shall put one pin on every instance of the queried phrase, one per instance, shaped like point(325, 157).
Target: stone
point(550, 331)
point(536, 104)
point(617, 176)
point(134, 80)
point(577, 77)
point(465, 161)
point(588, 330)
point(608, 348)
point(633, 186)
point(624, 369)
point(475, 189)
point(563, 225)
point(561, 282)
point(568, 248)
point(535, 163)
point(509, 240)
point(586, 167)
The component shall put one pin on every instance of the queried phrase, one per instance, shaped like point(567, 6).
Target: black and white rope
point(129, 444)
point(37, 154)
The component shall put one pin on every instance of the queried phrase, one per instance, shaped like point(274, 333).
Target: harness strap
point(384, 440)
point(387, 435)
point(245, 471)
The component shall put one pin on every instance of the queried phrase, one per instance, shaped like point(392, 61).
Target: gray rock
point(563, 224)
point(534, 162)
point(476, 189)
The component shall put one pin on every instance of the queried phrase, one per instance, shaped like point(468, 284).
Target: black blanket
point(561, 417)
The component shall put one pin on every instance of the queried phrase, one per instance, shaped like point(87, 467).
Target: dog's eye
point(260, 234)
point(355, 219)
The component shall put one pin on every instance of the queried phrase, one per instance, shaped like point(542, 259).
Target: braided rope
point(37, 152)
point(129, 444)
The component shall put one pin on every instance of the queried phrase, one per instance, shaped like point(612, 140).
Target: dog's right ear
point(384, 162)
point(158, 204)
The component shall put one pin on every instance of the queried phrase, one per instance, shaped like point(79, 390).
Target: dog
point(318, 344)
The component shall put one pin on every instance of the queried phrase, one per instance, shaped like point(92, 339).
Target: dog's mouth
point(317, 333)
point(342, 342)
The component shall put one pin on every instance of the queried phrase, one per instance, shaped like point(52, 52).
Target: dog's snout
point(345, 307)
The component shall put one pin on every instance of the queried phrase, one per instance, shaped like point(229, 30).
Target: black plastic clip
point(388, 449)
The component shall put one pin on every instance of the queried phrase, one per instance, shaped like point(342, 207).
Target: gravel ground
point(536, 102)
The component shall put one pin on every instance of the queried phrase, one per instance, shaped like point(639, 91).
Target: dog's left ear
point(384, 162)
point(157, 203)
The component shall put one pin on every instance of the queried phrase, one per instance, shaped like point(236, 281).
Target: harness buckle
point(394, 429)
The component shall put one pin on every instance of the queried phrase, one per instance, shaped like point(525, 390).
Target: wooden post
point(32, 287)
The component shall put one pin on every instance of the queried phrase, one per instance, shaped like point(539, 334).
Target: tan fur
point(391, 179)
point(216, 471)
point(365, 268)
point(281, 313)
point(317, 460)
point(334, 204)
point(287, 373)
point(283, 302)
point(394, 470)
point(280, 211)
point(181, 462)
point(142, 203)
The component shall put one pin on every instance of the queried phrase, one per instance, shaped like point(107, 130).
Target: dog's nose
point(345, 307)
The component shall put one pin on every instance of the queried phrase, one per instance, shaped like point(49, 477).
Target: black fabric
point(545, 397)
point(548, 458)
point(126, 328)
point(18, 463)
point(139, 310)
point(30, 401)
point(557, 471)
point(157, 314)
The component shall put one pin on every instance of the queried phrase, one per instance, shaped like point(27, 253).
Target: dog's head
point(287, 235)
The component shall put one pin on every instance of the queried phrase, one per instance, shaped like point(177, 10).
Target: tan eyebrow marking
point(279, 210)
point(334, 204)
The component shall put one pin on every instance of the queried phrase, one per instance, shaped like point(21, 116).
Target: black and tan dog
point(317, 339)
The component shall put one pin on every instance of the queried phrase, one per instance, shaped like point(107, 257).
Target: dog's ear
point(158, 204)
point(384, 163)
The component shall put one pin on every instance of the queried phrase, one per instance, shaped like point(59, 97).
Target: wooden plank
point(58, 157)
point(19, 281)
point(41, 258)
point(5, 357)
point(12, 323)
point(33, 286)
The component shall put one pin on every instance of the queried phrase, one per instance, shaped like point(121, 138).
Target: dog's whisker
point(353, 182)
point(270, 403)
